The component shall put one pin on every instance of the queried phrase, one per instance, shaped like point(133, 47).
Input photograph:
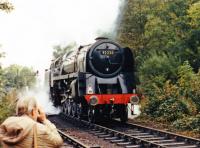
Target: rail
point(141, 138)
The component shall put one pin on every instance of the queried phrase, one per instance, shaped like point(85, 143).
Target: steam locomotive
point(94, 81)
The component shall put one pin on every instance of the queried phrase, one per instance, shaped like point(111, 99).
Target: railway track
point(155, 137)
point(76, 134)
point(70, 141)
point(135, 136)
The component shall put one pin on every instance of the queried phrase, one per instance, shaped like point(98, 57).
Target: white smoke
point(42, 97)
point(31, 30)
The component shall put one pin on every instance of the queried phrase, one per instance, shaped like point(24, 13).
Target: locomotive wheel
point(79, 111)
point(69, 108)
point(51, 94)
point(73, 109)
point(64, 108)
point(124, 114)
point(91, 115)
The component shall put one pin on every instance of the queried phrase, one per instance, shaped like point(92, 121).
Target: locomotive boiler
point(94, 81)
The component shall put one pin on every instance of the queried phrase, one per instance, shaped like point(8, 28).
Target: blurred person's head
point(27, 106)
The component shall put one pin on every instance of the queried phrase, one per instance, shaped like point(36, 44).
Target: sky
point(29, 32)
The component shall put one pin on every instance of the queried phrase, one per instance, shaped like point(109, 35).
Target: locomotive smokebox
point(105, 58)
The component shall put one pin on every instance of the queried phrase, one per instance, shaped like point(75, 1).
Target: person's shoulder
point(45, 127)
point(10, 119)
point(41, 126)
point(41, 129)
point(18, 120)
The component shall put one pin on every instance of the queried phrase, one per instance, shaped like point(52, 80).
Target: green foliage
point(171, 102)
point(162, 66)
point(163, 35)
point(12, 78)
point(172, 109)
point(132, 24)
point(186, 74)
point(151, 108)
point(188, 123)
point(2, 81)
point(189, 84)
point(59, 51)
point(162, 27)
point(19, 76)
point(165, 104)
point(194, 15)
point(6, 106)
point(6, 109)
point(159, 35)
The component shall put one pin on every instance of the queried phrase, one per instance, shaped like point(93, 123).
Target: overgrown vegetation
point(7, 105)
point(12, 78)
point(58, 50)
point(165, 37)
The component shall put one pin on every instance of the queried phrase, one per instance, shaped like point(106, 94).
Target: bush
point(162, 67)
point(172, 109)
point(188, 123)
point(6, 109)
point(166, 110)
point(171, 101)
point(151, 108)
point(7, 105)
point(189, 84)
point(177, 103)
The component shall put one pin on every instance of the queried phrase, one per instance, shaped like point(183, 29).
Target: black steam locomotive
point(94, 80)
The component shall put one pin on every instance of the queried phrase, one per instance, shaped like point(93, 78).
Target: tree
point(19, 76)
point(164, 34)
point(192, 42)
point(159, 65)
point(159, 35)
point(6, 106)
point(6, 6)
point(131, 29)
point(1, 76)
point(58, 50)
point(194, 15)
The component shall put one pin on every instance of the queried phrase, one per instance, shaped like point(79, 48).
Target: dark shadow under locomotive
point(95, 80)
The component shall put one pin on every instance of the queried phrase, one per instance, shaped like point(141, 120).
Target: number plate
point(107, 52)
